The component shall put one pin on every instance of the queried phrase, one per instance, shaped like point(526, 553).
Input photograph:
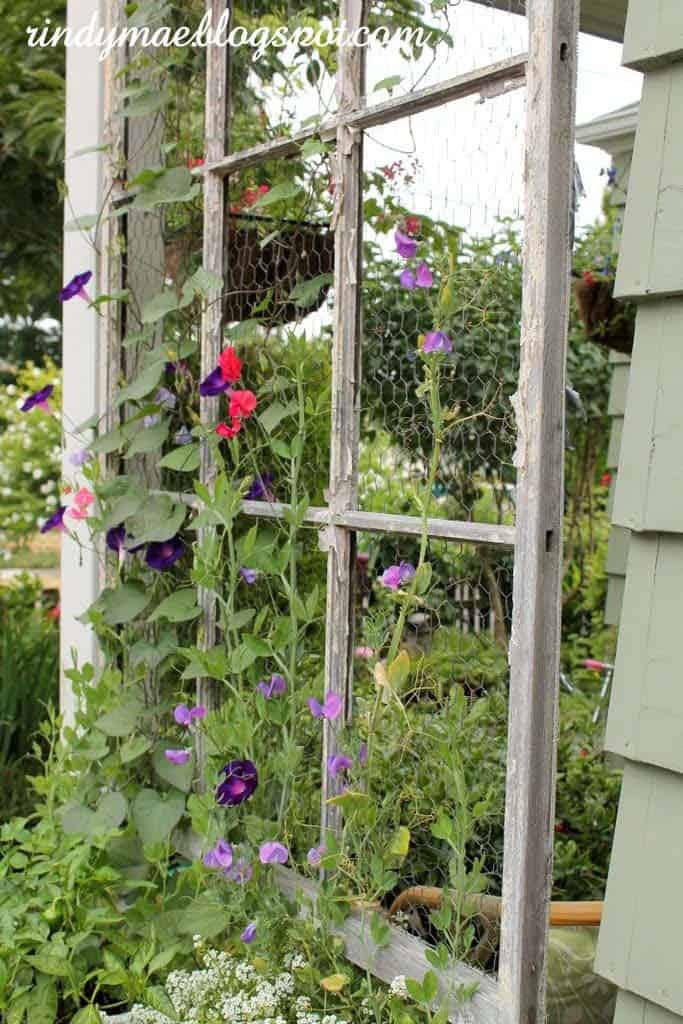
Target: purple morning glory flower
point(186, 716)
point(274, 688)
point(80, 457)
point(330, 709)
point(405, 245)
point(214, 384)
point(249, 933)
point(273, 853)
point(248, 575)
point(56, 521)
point(241, 779)
point(76, 287)
point(38, 400)
point(240, 872)
point(437, 341)
point(220, 856)
point(338, 763)
point(183, 436)
point(166, 398)
point(116, 538)
point(262, 489)
point(161, 555)
point(177, 756)
point(316, 854)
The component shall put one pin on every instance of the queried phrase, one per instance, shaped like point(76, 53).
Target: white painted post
point(80, 581)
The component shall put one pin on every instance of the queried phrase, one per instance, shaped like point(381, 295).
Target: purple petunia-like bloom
point(220, 856)
point(186, 716)
point(437, 341)
point(396, 575)
point(421, 278)
point(273, 853)
point(214, 384)
point(330, 709)
point(274, 688)
point(338, 763)
point(240, 872)
point(177, 756)
point(316, 854)
point(262, 488)
point(38, 400)
point(76, 287)
point(405, 245)
point(248, 575)
point(241, 779)
point(161, 555)
point(55, 522)
point(249, 933)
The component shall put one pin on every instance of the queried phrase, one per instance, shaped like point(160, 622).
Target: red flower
point(263, 189)
point(588, 277)
point(249, 196)
point(195, 161)
point(230, 364)
point(228, 432)
point(606, 479)
point(561, 828)
point(53, 613)
point(242, 404)
point(413, 225)
point(584, 753)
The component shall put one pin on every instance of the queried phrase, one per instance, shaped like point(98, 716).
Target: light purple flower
point(220, 856)
point(330, 709)
point(240, 872)
point(166, 398)
point(338, 763)
point(183, 436)
point(249, 933)
point(177, 756)
point(437, 341)
point(186, 716)
point(273, 853)
point(407, 571)
point(407, 280)
point(396, 575)
point(316, 854)
point(363, 755)
point(80, 457)
point(248, 575)
point(405, 245)
point(274, 688)
point(151, 421)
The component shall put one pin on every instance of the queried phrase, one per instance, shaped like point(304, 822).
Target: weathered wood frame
point(549, 71)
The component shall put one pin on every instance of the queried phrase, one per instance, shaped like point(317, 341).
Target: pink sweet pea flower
point(220, 856)
point(330, 709)
point(83, 499)
point(405, 245)
point(437, 341)
point(186, 716)
point(178, 757)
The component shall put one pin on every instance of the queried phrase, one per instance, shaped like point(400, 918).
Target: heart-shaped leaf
point(155, 816)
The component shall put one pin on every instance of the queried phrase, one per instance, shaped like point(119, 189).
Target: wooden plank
point(403, 955)
point(216, 143)
point(345, 426)
point(505, 74)
point(539, 405)
point(654, 34)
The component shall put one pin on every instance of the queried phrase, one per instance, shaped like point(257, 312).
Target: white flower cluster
point(226, 990)
point(399, 988)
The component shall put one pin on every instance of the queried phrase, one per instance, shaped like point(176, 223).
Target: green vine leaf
point(178, 607)
point(182, 460)
point(155, 816)
point(148, 439)
point(142, 384)
point(159, 519)
point(122, 604)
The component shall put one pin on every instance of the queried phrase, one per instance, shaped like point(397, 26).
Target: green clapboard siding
point(639, 946)
point(650, 259)
point(619, 387)
point(634, 1010)
point(645, 721)
point(649, 493)
point(614, 600)
point(654, 35)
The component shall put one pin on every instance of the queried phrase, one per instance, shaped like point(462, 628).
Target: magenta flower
point(338, 763)
point(220, 856)
point(422, 278)
point(330, 709)
point(38, 400)
point(248, 575)
point(364, 652)
point(396, 575)
point(262, 488)
point(161, 555)
point(249, 933)
point(214, 384)
point(316, 854)
point(241, 779)
point(273, 853)
point(76, 287)
point(405, 245)
point(437, 341)
point(274, 688)
point(240, 872)
point(56, 521)
point(177, 756)
point(186, 716)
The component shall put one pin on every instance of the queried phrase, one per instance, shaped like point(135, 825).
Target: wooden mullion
point(539, 405)
point(345, 426)
point(216, 143)
point(509, 73)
